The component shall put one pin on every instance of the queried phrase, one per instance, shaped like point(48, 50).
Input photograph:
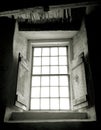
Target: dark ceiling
point(6, 5)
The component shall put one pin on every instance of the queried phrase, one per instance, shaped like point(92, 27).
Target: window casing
point(50, 79)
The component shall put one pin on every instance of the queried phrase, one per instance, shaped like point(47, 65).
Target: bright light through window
point(50, 82)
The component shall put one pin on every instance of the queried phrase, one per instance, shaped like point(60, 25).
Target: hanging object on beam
point(41, 16)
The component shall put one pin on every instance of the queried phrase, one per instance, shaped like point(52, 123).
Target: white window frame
point(51, 43)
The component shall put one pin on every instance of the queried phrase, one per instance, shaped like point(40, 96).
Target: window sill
point(48, 116)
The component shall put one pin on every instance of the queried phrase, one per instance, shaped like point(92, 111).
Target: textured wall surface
point(20, 46)
point(79, 47)
point(80, 42)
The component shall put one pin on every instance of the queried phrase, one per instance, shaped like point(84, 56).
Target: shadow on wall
point(6, 64)
point(93, 27)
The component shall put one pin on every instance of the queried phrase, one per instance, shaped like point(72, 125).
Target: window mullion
point(58, 79)
point(49, 77)
point(40, 78)
point(50, 74)
point(68, 71)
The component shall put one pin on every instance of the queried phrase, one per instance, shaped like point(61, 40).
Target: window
point(50, 79)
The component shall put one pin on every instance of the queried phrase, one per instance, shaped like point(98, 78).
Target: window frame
point(49, 44)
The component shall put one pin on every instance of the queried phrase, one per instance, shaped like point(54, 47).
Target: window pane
point(64, 92)
point(35, 92)
point(63, 69)
point(62, 60)
point(45, 70)
point(64, 103)
point(37, 61)
point(44, 103)
point(45, 81)
point(63, 81)
point(54, 51)
point(35, 81)
point(44, 91)
point(35, 104)
point(54, 69)
point(54, 103)
point(54, 92)
point(36, 70)
point(62, 50)
point(54, 60)
point(54, 81)
point(45, 60)
point(37, 51)
point(45, 51)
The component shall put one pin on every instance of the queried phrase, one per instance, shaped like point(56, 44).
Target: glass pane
point(63, 69)
point(45, 70)
point(44, 103)
point(37, 61)
point(54, 81)
point(54, 92)
point(45, 60)
point(37, 51)
point(64, 92)
point(62, 60)
point(36, 81)
point(62, 51)
point(35, 104)
point(36, 70)
point(54, 69)
point(35, 92)
point(45, 81)
point(63, 81)
point(54, 103)
point(54, 51)
point(54, 60)
point(45, 51)
point(64, 103)
point(44, 91)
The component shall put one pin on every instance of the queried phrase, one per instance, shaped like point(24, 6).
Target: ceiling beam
point(71, 5)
